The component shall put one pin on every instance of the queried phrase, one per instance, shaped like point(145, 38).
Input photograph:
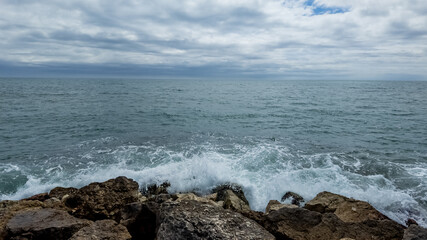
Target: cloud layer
point(291, 39)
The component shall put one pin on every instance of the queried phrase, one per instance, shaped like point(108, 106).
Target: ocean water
point(362, 139)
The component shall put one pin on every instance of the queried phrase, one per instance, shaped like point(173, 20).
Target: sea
point(362, 139)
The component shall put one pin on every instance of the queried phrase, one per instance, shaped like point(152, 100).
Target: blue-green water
point(363, 139)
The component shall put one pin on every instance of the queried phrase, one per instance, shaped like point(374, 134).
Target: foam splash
point(265, 170)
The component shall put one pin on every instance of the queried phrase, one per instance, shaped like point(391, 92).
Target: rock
point(98, 201)
point(300, 223)
point(38, 197)
point(191, 196)
point(222, 189)
point(296, 199)
point(9, 208)
point(411, 221)
point(415, 232)
point(347, 209)
point(62, 193)
point(191, 219)
point(140, 219)
point(233, 202)
point(103, 229)
point(44, 224)
point(155, 189)
point(274, 205)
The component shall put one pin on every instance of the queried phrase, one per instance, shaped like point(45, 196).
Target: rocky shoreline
point(119, 209)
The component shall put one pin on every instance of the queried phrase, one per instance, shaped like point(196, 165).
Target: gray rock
point(102, 230)
point(221, 192)
point(44, 224)
point(415, 232)
point(196, 220)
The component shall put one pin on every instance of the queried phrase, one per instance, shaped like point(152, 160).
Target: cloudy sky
point(287, 39)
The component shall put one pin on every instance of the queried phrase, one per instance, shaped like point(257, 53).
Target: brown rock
point(44, 224)
point(233, 202)
point(196, 220)
point(98, 201)
point(347, 209)
point(415, 232)
point(300, 223)
point(222, 189)
point(60, 192)
point(9, 208)
point(274, 205)
point(38, 197)
point(103, 229)
point(140, 219)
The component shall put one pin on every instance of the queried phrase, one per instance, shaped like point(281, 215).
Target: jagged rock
point(98, 201)
point(221, 192)
point(162, 198)
point(44, 224)
point(232, 201)
point(300, 223)
point(410, 222)
point(38, 197)
point(274, 205)
point(140, 219)
point(415, 232)
point(102, 229)
point(155, 189)
point(347, 209)
point(296, 199)
point(196, 220)
point(62, 193)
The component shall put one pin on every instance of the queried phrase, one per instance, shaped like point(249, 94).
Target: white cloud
point(367, 40)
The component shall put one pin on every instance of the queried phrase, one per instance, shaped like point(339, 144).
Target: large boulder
point(98, 201)
point(346, 209)
point(196, 220)
point(300, 223)
point(44, 224)
point(415, 232)
point(232, 197)
point(10, 208)
point(102, 229)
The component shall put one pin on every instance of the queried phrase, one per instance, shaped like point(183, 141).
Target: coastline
point(119, 209)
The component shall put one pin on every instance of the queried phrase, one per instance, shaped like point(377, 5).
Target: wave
point(265, 169)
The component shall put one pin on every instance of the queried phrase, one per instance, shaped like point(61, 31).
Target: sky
point(288, 39)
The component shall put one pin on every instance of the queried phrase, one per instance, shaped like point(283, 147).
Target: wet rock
point(155, 189)
point(44, 224)
point(274, 205)
point(103, 229)
point(140, 219)
point(98, 201)
point(410, 222)
point(221, 192)
point(415, 232)
point(196, 220)
point(347, 209)
point(295, 198)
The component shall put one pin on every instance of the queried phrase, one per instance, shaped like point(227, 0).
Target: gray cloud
point(276, 39)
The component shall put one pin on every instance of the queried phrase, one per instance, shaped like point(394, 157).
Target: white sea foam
point(265, 171)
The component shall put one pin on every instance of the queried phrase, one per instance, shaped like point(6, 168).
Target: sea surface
point(362, 139)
